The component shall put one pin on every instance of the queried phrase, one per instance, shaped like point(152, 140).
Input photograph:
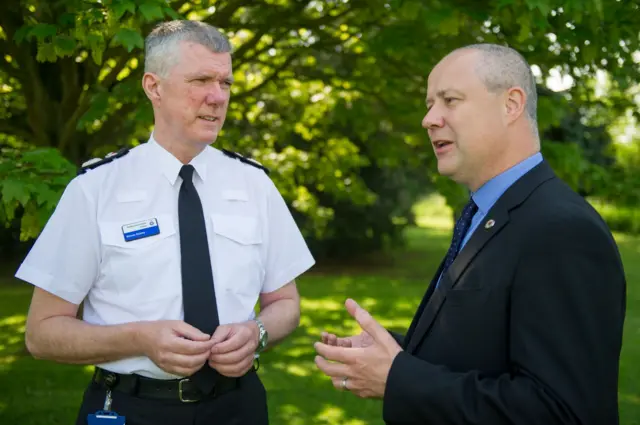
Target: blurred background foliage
point(329, 96)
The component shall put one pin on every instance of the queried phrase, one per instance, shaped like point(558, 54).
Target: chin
point(206, 138)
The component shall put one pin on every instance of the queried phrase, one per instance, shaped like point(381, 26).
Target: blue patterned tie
point(462, 225)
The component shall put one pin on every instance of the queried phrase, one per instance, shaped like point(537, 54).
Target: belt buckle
point(180, 392)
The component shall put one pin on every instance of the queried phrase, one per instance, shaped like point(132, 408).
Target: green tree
point(330, 94)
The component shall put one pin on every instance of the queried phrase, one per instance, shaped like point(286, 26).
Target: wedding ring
point(344, 383)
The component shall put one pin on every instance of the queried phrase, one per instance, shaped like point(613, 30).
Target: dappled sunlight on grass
point(298, 393)
point(11, 339)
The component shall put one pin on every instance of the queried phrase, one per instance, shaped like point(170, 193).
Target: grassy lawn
point(39, 392)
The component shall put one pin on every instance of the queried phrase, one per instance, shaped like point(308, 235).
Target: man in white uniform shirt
point(170, 245)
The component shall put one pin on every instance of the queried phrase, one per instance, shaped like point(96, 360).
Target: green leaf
point(99, 105)
point(64, 45)
point(151, 11)
point(22, 32)
point(542, 5)
point(42, 31)
point(121, 7)
point(67, 19)
point(14, 190)
point(96, 43)
point(128, 38)
point(172, 13)
point(46, 53)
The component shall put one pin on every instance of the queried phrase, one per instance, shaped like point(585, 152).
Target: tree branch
point(267, 80)
point(110, 79)
point(117, 126)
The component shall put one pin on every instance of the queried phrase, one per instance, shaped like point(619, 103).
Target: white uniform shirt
point(81, 253)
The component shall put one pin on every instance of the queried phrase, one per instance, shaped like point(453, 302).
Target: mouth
point(439, 144)
point(209, 118)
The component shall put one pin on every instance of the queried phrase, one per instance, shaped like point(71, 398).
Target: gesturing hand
point(362, 363)
point(233, 348)
point(356, 341)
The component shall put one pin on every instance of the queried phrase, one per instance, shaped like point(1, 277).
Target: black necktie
point(459, 232)
point(198, 295)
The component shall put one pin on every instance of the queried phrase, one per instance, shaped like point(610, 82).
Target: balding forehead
point(453, 70)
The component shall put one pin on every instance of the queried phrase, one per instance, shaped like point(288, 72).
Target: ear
point(515, 104)
point(151, 86)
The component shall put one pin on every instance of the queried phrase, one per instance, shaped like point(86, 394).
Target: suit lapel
point(423, 303)
point(481, 236)
point(495, 220)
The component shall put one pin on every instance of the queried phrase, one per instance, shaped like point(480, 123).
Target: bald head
point(501, 68)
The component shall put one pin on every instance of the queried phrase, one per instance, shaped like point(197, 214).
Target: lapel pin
point(489, 224)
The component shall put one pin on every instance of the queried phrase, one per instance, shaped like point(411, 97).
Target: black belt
point(183, 390)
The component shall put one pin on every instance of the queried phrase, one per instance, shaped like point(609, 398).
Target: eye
point(448, 100)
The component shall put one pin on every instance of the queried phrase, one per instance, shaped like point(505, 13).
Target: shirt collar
point(170, 166)
point(489, 192)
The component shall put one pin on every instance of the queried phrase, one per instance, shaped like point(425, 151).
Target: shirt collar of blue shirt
point(489, 192)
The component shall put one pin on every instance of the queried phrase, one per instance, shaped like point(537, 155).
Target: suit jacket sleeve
point(567, 313)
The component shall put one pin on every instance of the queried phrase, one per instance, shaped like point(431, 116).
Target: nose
point(217, 94)
point(433, 119)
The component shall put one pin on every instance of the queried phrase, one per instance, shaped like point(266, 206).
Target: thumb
point(187, 331)
point(365, 320)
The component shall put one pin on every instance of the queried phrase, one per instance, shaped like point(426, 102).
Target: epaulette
point(249, 161)
point(96, 162)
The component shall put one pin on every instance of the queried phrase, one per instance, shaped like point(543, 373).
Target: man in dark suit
point(522, 323)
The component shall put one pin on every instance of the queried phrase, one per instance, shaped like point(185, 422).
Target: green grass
point(43, 393)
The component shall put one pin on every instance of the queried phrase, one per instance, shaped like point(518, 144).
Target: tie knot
point(186, 172)
point(470, 208)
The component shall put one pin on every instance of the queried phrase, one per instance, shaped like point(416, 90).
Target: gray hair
point(501, 68)
point(162, 45)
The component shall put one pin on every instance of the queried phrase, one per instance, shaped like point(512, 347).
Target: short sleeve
point(287, 253)
point(64, 260)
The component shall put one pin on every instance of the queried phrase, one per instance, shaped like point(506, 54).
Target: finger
point(236, 341)
point(187, 331)
point(222, 333)
point(340, 354)
point(180, 345)
point(333, 340)
point(236, 370)
point(181, 361)
point(344, 342)
point(337, 382)
point(366, 321)
point(332, 369)
point(233, 356)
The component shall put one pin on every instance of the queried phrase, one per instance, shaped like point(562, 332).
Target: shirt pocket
point(144, 269)
point(238, 266)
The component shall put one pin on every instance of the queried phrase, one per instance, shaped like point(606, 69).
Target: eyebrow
point(192, 77)
point(442, 93)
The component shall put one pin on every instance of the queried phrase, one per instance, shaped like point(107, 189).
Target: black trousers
point(246, 405)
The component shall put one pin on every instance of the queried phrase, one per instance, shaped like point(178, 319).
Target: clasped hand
point(181, 349)
point(360, 363)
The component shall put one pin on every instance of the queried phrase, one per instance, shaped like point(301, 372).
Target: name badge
point(140, 229)
point(105, 418)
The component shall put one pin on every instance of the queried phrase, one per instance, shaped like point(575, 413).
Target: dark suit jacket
point(525, 327)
